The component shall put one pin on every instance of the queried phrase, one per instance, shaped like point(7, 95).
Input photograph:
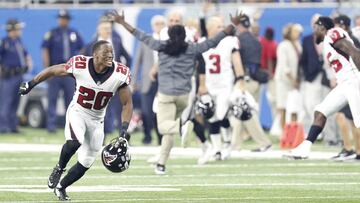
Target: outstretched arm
point(55, 70)
point(349, 48)
point(127, 110)
point(229, 30)
point(146, 39)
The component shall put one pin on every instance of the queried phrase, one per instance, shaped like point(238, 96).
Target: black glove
point(124, 135)
point(26, 87)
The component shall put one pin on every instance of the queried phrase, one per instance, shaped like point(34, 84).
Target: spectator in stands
point(14, 62)
point(286, 73)
point(104, 31)
point(58, 46)
point(145, 59)
point(268, 61)
point(176, 66)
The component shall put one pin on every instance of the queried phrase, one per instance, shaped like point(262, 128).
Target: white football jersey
point(341, 63)
point(218, 63)
point(94, 91)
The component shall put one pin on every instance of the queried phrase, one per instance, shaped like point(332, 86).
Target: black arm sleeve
point(203, 27)
point(201, 64)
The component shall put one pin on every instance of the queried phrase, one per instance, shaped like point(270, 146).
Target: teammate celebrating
point(344, 58)
point(219, 62)
point(97, 80)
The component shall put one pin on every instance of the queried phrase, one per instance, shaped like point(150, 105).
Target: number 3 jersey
point(340, 62)
point(94, 90)
point(218, 63)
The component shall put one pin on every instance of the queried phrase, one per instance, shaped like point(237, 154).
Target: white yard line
point(182, 166)
point(266, 184)
point(176, 151)
point(201, 199)
point(222, 175)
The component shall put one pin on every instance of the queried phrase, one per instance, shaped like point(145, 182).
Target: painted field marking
point(3, 187)
point(298, 164)
point(159, 199)
point(221, 175)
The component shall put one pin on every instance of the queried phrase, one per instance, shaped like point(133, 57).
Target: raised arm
point(349, 48)
point(55, 70)
point(146, 39)
point(229, 30)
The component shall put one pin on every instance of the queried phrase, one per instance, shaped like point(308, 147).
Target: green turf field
point(23, 178)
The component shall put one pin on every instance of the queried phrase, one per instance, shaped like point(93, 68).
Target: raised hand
point(116, 17)
point(237, 18)
point(24, 88)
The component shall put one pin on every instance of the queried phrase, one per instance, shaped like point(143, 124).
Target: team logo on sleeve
point(335, 35)
point(69, 64)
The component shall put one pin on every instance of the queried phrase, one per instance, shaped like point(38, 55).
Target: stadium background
point(39, 20)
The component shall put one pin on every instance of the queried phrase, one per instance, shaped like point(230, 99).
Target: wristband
point(241, 77)
point(32, 83)
point(124, 126)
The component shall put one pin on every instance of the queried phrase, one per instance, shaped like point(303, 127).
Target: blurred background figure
point(14, 62)
point(312, 72)
point(268, 62)
point(356, 29)
point(58, 46)
point(286, 73)
point(145, 59)
point(105, 31)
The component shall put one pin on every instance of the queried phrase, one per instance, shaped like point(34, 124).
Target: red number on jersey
point(216, 63)
point(101, 99)
point(86, 94)
point(121, 68)
point(80, 62)
point(335, 64)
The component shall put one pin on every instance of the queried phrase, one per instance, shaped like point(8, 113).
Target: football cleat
point(206, 153)
point(226, 152)
point(159, 169)
point(61, 194)
point(344, 155)
point(217, 156)
point(300, 152)
point(185, 131)
point(55, 176)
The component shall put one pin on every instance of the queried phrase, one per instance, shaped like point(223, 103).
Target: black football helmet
point(115, 156)
point(241, 110)
point(205, 106)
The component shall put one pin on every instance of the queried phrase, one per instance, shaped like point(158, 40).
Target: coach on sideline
point(176, 66)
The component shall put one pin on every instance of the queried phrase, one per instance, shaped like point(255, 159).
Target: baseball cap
point(325, 21)
point(64, 14)
point(245, 21)
point(13, 24)
point(342, 20)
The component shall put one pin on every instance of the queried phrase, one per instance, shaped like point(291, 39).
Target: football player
point(344, 59)
point(220, 77)
point(98, 78)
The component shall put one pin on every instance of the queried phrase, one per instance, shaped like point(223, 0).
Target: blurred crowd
point(293, 71)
